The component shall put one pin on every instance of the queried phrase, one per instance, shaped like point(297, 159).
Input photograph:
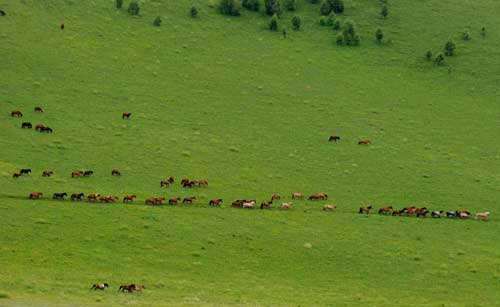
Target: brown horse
point(397, 212)
point(99, 286)
point(16, 113)
point(365, 209)
point(35, 195)
point(167, 182)
point(46, 129)
point(483, 215)
point(131, 288)
point(108, 199)
point(189, 199)
point(318, 196)
point(334, 138)
point(237, 203)
point(154, 200)
point(76, 174)
point(297, 195)
point(128, 198)
point(116, 172)
point(126, 115)
point(39, 127)
point(385, 210)
point(16, 175)
point(215, 202)
point(203, 182)
point(174, 201)
point(26, 125)
point(421, 212)
point(286, 206)
point(47, 173)
point(93, 197)
point(409, 210)
point(364, 142)
point(38, 110)
point(77, 196)
point(159, 200)
point(275, 196)
point(266, 204)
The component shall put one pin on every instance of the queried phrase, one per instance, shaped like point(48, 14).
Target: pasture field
point(225, 99)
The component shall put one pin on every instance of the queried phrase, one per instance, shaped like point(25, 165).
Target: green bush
point(349, 33)
point(428, 55)
point(449, 48)
point(330, 20)
point(339, 39)
point(314, 1)
point(291, 5)
point(338, 6)
point(379, 35)
point(252, 5)
point(230, 7)
point(296, 23)
point(133, 8)
point(322, 20)
point(274, 23)
point(336, 24)
point(384, 12)
point(157, 21)
point(119, 4)
point(483, 32)
point(193, 12)
point(273, 7)
point(326, 8)
point(439, 60)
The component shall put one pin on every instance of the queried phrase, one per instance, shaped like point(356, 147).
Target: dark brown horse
point(365, 209)
point(397, 212)
point(38, 110)
point(203, 182)
point(16, 113)
point(215, 202)
point(318, 196)
point(47, 173)
point(126, 115)
point(16, 175)
point(87, 173)
point(421, 212)
point(93, 197)
point(35, 195)
point(174, 200)
point(46, 129)
point(27, 125)
point(364, 142)
point(99, 286)
point(76, 174)
point(167, 182)
point(116, 172)
point(128, 198)
point(189, 199)
point(237, 203)
point(275, 196)
point(334, 138)
point(266, 204)
point(77, 196)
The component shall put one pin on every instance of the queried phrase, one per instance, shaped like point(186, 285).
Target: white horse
point(286, 206)
point(483, 215)
point(329, 207)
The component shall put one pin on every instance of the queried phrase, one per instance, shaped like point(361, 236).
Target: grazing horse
point(87, 173)
point(365, 209)
point(334, 138)
point(275, 196)
point(39, 127)
point(174, 201)
point(76, 174)
point(421, 212)
point(47, 173)
point(150, 201)
point(126, 115)
point(364, 142)
point(93, 197)
point(452, 214)
point(25, 171)
point(329, 207)
point(237, 203)
point(35, 195)
point(385, 210)
point(38, 110)
point(128, 198)
point(16, 175)
point(463, 214)
point(59, 196)
point(397, 212)
point(215, 202)
point(116, 172)
point(108, 199)
point(319, 196)
point(483, 215)
point(189, 199)
point(266, 204)
point(131, 288)
point(248, 204)
point(409, 210)
point(189, 183)
point(437, 213)
point(27, 125)
point(159, 200)
point(77, 196)
point(46, 129)
point(99, 286)
point(203, 182)
point(286, 206)
point(297, 195)
point(16, 113)
point(167, 182)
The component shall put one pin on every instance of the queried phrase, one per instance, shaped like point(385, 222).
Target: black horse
point(59, 195)
point(451, 214)
point(46, 129)
point(87, 173)
point(437, 213)
point(26, 125)
point(77, 196)
point(25, 171)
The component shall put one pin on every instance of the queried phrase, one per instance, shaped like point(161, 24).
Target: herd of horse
point(123, 288)
point(29, 125)
point(423, 211)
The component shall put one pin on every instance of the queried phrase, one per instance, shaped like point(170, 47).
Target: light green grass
point(224, 99)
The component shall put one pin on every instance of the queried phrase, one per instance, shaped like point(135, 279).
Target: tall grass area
point(224, 98)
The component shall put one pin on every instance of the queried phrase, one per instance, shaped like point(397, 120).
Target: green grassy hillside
point(225, 99)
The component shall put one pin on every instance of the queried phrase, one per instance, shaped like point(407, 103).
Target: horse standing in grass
point(116, 172)
point(286, 206)
point(38, 110)
point(266, 204)
point(16, 113)
point(99, 286)
point(364, 142)
point(16, 175)
point(365, 209)
point(93, 197)
point(319, 196)
point(329, 207)
point(167, 182)
point(385, 210)
point(174, 200)
point(275, 196)
point(189, 200)
point(203, 182)
point(297, 195)
point(128, 198)
point(483, 215)
point(215, 202)
point(59, 196)
point(47, 173)
point(334, 138)
point(26, 125)
point(126, 115)
point(25, 171)
point(35, 195)
point(77, 196)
